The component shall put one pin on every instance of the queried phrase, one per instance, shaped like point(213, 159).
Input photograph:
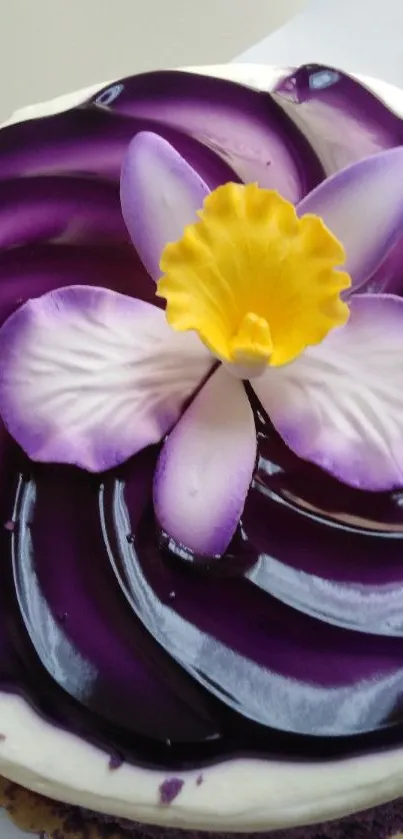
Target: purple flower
point(91, 377)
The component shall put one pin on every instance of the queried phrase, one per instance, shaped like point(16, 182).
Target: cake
point(200, 622)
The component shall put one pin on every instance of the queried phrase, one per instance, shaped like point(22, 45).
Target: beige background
point(48, 47)
point(362, 36)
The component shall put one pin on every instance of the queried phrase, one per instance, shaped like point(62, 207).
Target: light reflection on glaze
point(363, 608)
point(56, 652)
point(261, 694)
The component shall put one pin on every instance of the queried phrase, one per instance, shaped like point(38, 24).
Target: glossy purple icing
point(292, 643)
point(170, 789)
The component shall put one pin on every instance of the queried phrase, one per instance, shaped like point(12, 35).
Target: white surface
point(364, 36)
point(48, 47)
point(237, 795)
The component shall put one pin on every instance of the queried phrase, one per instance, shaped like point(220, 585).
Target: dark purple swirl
point(292, 643)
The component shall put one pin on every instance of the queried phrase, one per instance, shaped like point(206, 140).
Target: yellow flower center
point(257, 283)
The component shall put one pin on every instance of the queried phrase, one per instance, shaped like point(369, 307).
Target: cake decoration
point(256, 284)
point(115, 762)
point(273, 662)
point(90, 377)
point(170, 789)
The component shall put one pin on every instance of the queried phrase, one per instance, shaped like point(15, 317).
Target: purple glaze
point(245, 127)
point(99, 654)
point(66, 209)
point(270, 643)
point(170, 789)
point(344, 122)
point(92, 141)
point(86, 560)
point(115, 762)
point(34, 270)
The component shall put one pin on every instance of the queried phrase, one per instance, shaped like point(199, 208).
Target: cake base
point(52, 820)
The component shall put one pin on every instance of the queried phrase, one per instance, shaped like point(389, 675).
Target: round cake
point(202, 448)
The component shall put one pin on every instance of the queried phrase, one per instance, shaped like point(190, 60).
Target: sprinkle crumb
point(170, 789)
point(2, 738)
point(10, 526)
point(115, 762)
point(199, 780)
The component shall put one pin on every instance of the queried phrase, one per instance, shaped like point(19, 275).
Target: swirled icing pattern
point(292, 643)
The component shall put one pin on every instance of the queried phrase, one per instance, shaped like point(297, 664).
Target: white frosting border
point(236, 795)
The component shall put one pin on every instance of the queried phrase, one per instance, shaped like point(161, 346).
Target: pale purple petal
point(363, 207)
point(340, 404)
point(388, 278)
point(206, 467)
point(90, 377)
point(245, 127)
point(160, 194)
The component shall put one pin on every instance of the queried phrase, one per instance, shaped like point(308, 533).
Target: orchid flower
point(256, 289)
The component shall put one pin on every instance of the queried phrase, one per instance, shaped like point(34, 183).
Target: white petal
point(363, 207)
point(160, 195)
point(206, 467)
point(340, 404)
point(90, 377)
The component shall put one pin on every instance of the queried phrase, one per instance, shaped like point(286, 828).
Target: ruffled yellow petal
point(256, 282)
